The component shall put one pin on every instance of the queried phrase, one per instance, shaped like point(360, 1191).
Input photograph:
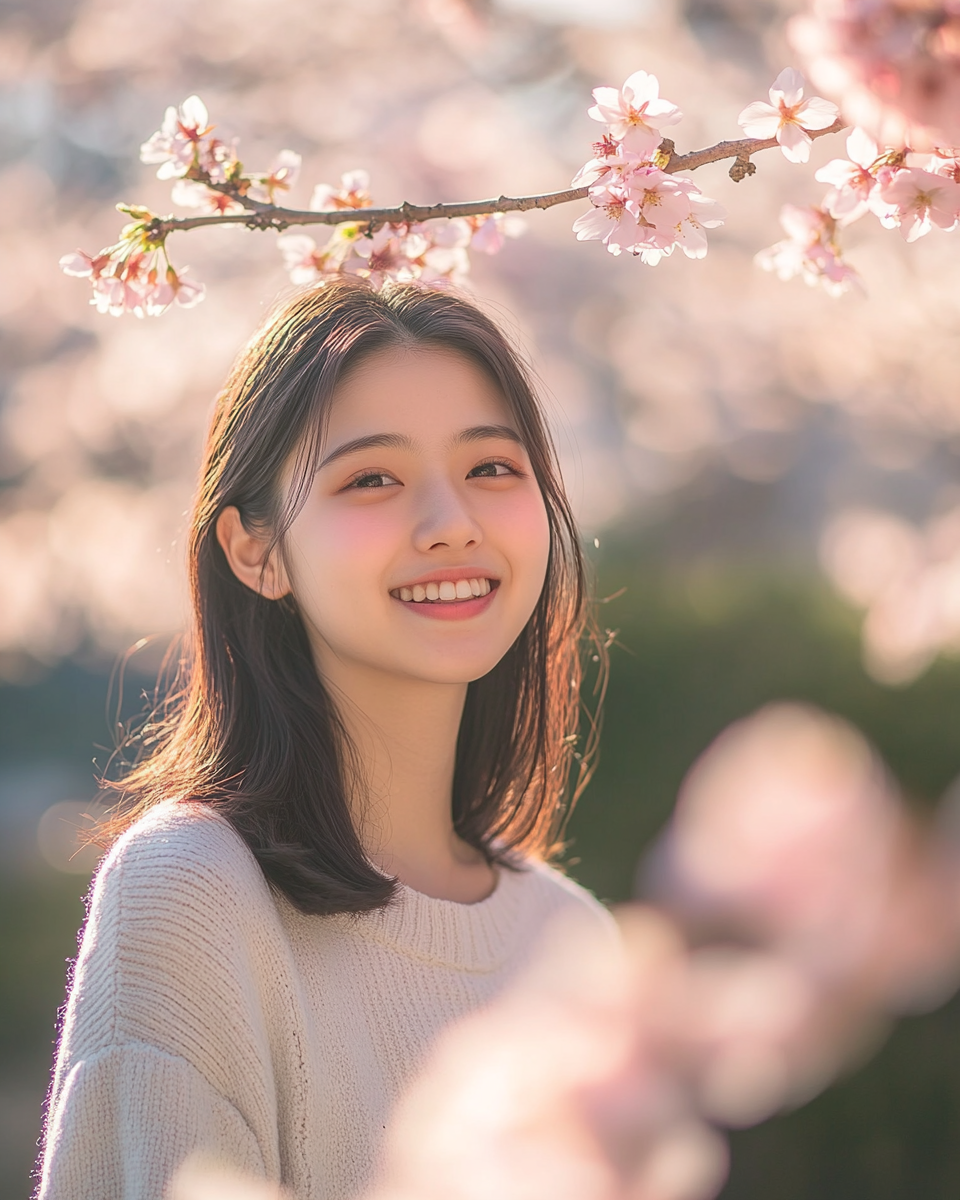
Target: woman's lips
point(456, 609)
point(446, 590)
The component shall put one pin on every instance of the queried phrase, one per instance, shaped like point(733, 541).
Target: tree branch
point(273, 216)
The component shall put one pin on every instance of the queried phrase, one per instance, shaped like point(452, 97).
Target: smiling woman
point(338, 842)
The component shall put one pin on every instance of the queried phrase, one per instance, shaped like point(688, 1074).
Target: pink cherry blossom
point(435, 252)
point(604, 151)
point(187, 292)
point(893, 65)
point(810, 251)
point(218, 160)
point(635, 114)
point(113, 275)
point(609, 220)
point(391, 252)
point(354, 192)
point(788, 116)
point(161, 289)
point(189, 194)
point(671, 212)
point(82, 265)
point(307, 262)
point(704, 214)
point(852, 181)
point(281, 177)
point(660, 206)
point(611, 164)
point(442, 265)
point(648, 213)
point(488, 234)
point(175, 145)
point(917, 200)
point(945, 162)
point(125, 278)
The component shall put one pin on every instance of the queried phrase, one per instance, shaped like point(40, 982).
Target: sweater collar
point(469, 937)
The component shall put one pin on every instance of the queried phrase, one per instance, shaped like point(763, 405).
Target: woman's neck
point(404, 733)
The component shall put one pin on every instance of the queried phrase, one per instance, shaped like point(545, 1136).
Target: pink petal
point(945, 206)
point(838, 172)
point(170, 122)
point(641, 139)
point(189, 293)
point(913, 226)
point(322, 198)
point(296, 248)
point(817, 113)
point(286, 167)
point(861, 148)
point(794, 142)
point(78, 264)
point(788, 87)
point(592, 224)
point(802, 224)
point(902, 189)
point(846, 205)
point(759, 120)
point(355, 181)
point(193, 112)
point(590, 173)
point(662, 112)
point(638, 88)
point(709, 213)
point(605, 113)
point(607, 98)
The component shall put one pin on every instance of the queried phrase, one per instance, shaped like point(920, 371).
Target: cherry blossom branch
point(639, 203)
point(273, 216)
point(742, 150)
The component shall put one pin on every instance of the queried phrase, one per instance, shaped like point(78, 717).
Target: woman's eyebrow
point(400, 441)
point(373, 441)
point(481, 433)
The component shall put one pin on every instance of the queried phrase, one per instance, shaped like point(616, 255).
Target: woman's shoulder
point(189, 843)
point(182, 869)
point(557, 892)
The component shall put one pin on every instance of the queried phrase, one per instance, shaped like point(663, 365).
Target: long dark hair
point(248, 726)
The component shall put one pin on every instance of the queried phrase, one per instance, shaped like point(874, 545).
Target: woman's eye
point(372, 479)
point(490, 470)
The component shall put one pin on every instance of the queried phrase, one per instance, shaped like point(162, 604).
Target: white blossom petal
point(794, 142)
point(817, 113)
point(788, 87)
point(759, 120)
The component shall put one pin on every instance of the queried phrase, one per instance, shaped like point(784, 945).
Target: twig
point(273, 216)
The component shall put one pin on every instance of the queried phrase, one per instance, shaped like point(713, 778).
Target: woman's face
point(422, 547)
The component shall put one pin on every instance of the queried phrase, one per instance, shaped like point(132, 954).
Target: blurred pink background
point(658, 377)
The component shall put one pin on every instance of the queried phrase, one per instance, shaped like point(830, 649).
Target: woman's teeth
point(462, 589)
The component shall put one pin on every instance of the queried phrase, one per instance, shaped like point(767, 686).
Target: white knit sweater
point(209, 1015)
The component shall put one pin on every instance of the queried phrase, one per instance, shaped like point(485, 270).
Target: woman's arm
point(128, 1117)
point(166, 1044)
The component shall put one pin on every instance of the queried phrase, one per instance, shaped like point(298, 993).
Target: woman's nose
point(444, 521)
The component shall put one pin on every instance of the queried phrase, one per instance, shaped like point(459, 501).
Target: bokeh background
point(767, 479)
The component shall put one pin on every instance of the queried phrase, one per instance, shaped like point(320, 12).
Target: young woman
point(338, 843)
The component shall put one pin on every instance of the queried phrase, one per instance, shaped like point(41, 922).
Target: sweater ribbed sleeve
point(166, 1038)
point(124, 1099)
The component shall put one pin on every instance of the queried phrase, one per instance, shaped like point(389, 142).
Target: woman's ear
point(248, 557)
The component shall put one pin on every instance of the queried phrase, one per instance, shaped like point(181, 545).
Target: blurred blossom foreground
point(798, 909)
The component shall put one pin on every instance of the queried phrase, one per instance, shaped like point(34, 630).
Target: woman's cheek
point(525, 534)
point(359, 545)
